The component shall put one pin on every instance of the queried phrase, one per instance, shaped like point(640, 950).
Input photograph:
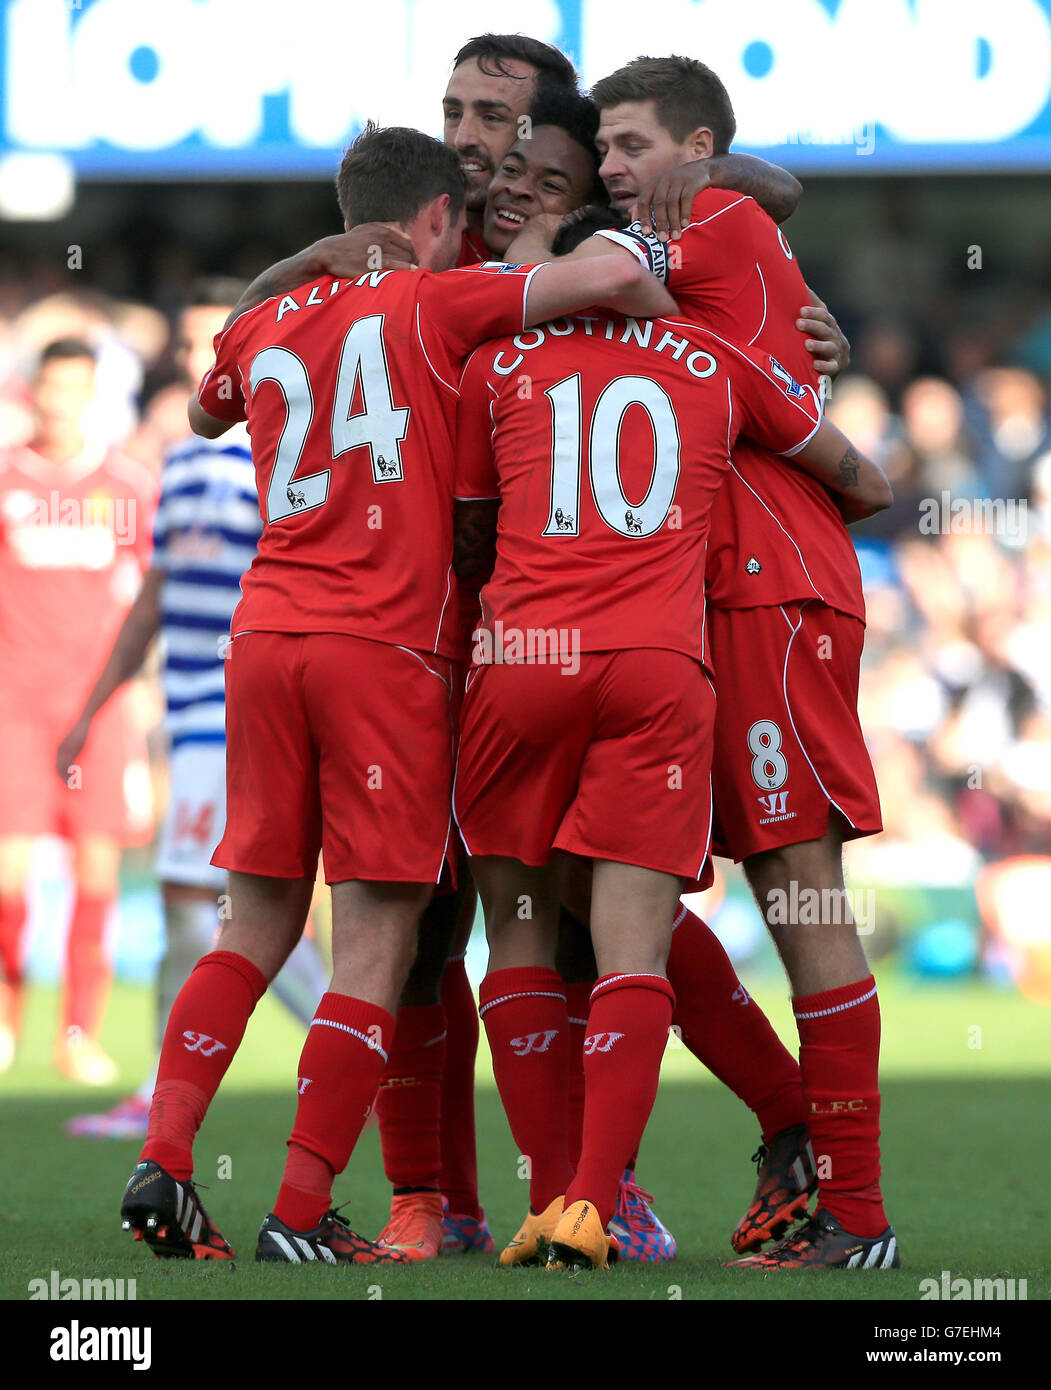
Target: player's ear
point(701, 143)
point(436, 214)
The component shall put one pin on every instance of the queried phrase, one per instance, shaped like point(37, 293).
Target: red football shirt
point(472, 250)
point(350, 389)
point(606, 440)
point(777, 536)
point(75, 539)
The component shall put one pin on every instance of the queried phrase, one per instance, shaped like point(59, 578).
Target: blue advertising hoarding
point(276, 88)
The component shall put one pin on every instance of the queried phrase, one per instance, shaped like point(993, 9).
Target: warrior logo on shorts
point(753, 566)
point(296, 500)
point(563, 520)
point(633, 523)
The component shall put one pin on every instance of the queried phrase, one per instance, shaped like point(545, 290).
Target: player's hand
point(826, 341)
point(372, 246)
point(544, 227)
point(69, 748)
point(535, 243)
point(664, 206)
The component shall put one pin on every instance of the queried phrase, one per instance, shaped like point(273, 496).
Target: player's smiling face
point(635, 147)
point(482, 111)
point(550, 172)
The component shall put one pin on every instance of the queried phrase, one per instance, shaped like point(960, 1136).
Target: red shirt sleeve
point(461, 308)
point(476, 476)
point(768, 404)
point(714, 259)
point(221, 392)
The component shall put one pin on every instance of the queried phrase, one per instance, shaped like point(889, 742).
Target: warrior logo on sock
point(533, 1042)
point(600, 1042)
point(202, 1043)
point(304, 1082)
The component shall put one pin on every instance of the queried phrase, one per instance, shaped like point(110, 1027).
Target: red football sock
point(88, 970)
point(627, 1034)
point(578, 1003)
point(727, 1030)
point(13, 918)
point(524, 1012)
point(205, 1028)
point(839, 1033)
point(409, 1100)
point(339, 1071)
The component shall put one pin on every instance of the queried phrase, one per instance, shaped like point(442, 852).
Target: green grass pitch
point(965, 1177)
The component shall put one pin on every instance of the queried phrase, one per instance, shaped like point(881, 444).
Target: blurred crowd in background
point(948, 388)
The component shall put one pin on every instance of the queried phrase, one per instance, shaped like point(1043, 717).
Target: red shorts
point(336, 744)
point(612, 762)
point(788, 744)
point(99, 795)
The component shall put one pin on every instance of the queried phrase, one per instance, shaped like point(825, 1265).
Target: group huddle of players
point(554, 597)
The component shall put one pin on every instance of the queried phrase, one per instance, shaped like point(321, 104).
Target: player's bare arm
point(130, 646)
point(474, 541)
point(207, 426)
point(826, 343)
point(664, 204)
point(859, 486)
point(372, 246)
point(616, 282)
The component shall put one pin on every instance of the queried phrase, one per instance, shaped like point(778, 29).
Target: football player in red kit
point(75, 537)
point(792, 776)
point(715, 1016)
point(339, 683)
point(608, 464)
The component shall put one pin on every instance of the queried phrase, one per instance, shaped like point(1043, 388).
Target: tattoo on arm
point(474, 541)
point(849, 467)
point(775, 190)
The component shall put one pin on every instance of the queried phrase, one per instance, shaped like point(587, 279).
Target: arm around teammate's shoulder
point(603, 275)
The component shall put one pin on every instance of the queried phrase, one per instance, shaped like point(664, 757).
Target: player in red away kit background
point(794, 710)
point(75, 535)
point(607, 465)
point(350, 601)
